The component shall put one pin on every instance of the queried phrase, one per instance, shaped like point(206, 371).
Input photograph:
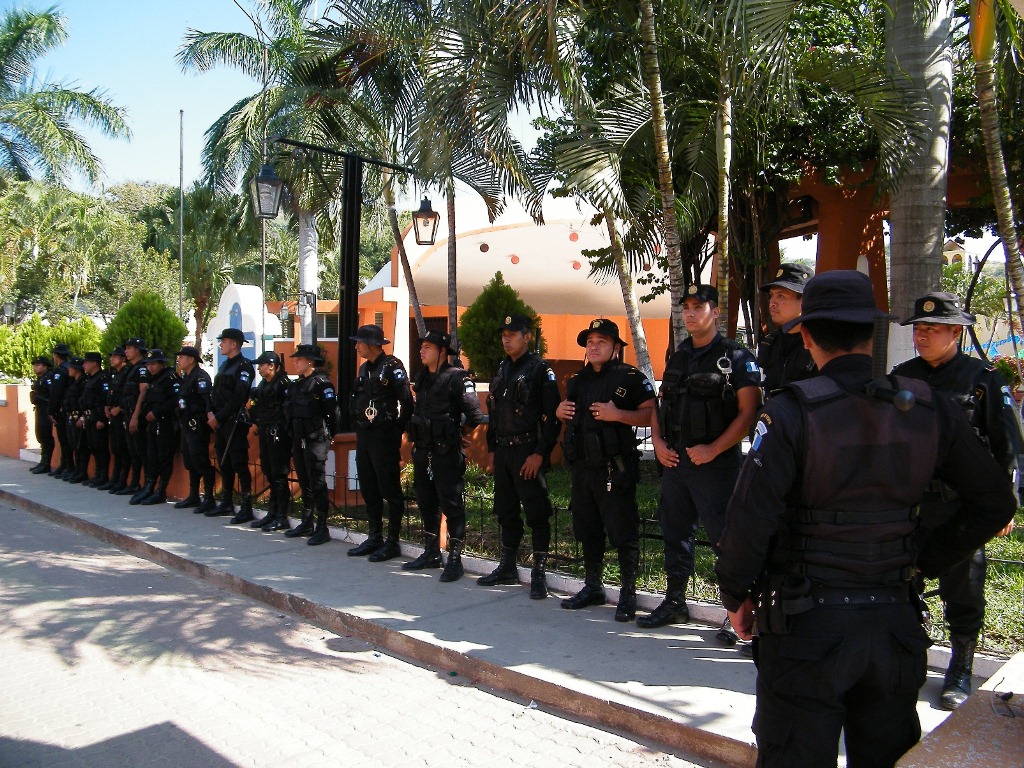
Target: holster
point(783, 597)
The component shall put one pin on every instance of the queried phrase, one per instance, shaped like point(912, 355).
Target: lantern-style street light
point(266, 189)
point(424, 223)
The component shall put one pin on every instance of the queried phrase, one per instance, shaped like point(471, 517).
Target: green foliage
point(80, 335)
point(989, 291)
point(20, 343)
point(478, 331)
point(145, 316)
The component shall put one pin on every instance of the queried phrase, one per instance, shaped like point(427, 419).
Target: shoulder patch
point(759, 432)
point(202, 384)
point(243, 375)
point(752, 367)
point(468, 385)
point(399, 374)
point(648, 387)
point(328, 393)
point(1007, 396)
point(56, 377)
point(550, 375)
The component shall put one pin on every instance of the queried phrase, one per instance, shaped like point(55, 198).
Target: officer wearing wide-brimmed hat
point(939, 320)
point(42, 366)
point(314, 421)
point(132, 391)
point(380, 407)
point(266, 409)
point(821, 531)
point(117, 426)
point(61, 380)
point(522, 430)
point(446, 406)
point(605, 402)
point(782, 357)
point(93, 416)
point(194, 402)
point(159, 406)
point(230, 424)
point(78, 452)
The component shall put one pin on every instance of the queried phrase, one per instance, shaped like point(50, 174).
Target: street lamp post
point(306, 299)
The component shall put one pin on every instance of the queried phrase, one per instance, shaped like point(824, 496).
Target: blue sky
point(127, 48)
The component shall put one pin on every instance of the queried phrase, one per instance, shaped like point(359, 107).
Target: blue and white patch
point(752, 367)
point(399, 374)
point(759, 432)
point(469, 386)
point(551, 375)
point(56, 377)
point(1007, 397)
point(328, 393)
point(201, 385)
point(648, 387)
point(244, 376)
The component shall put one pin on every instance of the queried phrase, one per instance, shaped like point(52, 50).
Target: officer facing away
point(938, 324)
point(781, 356)
point(521, 433)
point(266, 409)
point(40, 397)
point(820, 532)
point(604, 402)
point(230, 424)
point(380, 408)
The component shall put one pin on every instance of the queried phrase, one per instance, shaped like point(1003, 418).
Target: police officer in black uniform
point(709, 398)
point(194, 393)
point(311, 407)
point(117, 425)
point(266, 409)
point(40, 397)
point(380, 408)
point(230, 424)
point(604, 402)
point(55, 410)
point(521, 433)
point(93, 416)
point(159, 409)
point(446, 402)
point(782, 357)
point(132, 391)
point(79, 451)
point(821, 530)
point(938, 322)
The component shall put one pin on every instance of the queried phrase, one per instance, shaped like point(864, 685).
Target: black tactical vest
point(597, 443)
point(696, 409)
point(513, 408)
point(375, 395)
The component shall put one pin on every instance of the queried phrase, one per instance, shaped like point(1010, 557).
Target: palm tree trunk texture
point(636, 327)
point(403, 259)
point(453, 293)
point(308, 270)
point(652, 75)
point(724, 140)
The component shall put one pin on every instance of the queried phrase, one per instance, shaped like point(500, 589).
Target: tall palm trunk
point(308, 270)
point(723, 138)
point(670, 226)
point(453, 292)
point(403, 257)
point(636, 327)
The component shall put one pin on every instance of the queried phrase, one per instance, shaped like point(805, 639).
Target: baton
point(231, 435)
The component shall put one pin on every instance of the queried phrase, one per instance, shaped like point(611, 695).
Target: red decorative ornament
point(574, 236)
point(576, 265)
point(484, 247)
point(515, 259)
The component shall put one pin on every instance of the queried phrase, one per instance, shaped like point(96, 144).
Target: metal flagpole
point(181, 214)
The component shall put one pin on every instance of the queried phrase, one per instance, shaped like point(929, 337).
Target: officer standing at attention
point(55, 411)
point(939, 322)
point(159, 406)
point(781, 356)
point(132, 392)
point(604, 402)
point(266, 409)
point(445, 398)
point(709, 398)
point(821, 530)
point(380, 408)
point(230, 424)
point(311, 407)
point(116, 426)
point(521, 433)
point(40, 396)
point(78, 458)
point(93, 416)
point(194, 393)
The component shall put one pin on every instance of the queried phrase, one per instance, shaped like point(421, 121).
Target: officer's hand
point(666, 456)
point(80, 423)
point(115, 411)
point(52, 419)
point(101, 425)
point(212, 421)
point(150, 416)
point(1007, 530)
point(467, 439)
point(106, 411)
point(531, 466)
point(604, 411)
point(133, 426)
point(255, 429)
point(742, 620)
point(490, 463)
point(700, 454)
point(566, 410)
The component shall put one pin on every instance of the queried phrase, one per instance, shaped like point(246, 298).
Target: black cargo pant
point(962, 587)
point(60, 427)
point(439, 478)
point(44, 435)
point(161, 443)
point(310, 457)
point(119, 447)
point(233, 457)
point(275, 461)
point(598, 511)
point(512, 492)
point(195, 451)
point(378, 459)
point(137, 451)
point(99, 447)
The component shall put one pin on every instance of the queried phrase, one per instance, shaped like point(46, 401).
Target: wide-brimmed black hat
point(438, 339)
point(118, 351)
point(520, 323)
point(700, 292)
point(840, 294)
point(93, 357)
point(190, 351)
point(76, 363)
point(42, 360)
point(138, 343)
point(269, 357)
point(61, 349)
point(370, 334)
point(603, 326)
point(941, 308)
point(232, 333)
point(157, 355)
point(308, 351)
point(791, 276)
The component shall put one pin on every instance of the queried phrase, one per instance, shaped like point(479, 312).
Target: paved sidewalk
point(675, 685)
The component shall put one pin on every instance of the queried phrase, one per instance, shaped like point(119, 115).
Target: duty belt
point(859, 596)
point(511, 440)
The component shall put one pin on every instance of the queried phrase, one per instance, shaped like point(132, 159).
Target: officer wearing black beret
point(604, 403)
point(133, 389)
point(117, 426)
point(40, 397)
point(781, 356)
point(61, 380)
point(159, 414)
point(521, 433)
point(266, 409)
point(311, 407)
point(194, 402)
point(93, 416)
point(446, 404)
point(230, 424)
point(821, 532)
point(380, 408)
point(938, 322)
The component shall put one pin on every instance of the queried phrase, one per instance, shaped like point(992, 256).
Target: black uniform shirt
point(194, 393)
point(312, 404)
point(116, 387)
point(61, 381)
point(783, 358)
point(94, 395)
point(447, 394)
point(266, 408)
point(137, 375)
point(542, 401)
point(231, 388)
point(40, 394)
point(385, 382)
point(161, 398)
point(769, 483)
point(72, 393)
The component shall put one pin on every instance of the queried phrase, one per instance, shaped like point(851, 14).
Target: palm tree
point(37, 137)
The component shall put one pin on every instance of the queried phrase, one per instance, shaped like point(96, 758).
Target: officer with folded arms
point(230, 424)
point(40, 396)
point(266, 409)
point(93, 418)
point(117, 428)
point(159, 409)
point(194, 393)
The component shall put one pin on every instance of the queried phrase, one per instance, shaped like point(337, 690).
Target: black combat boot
point(386, 551)
point(673, 608)
point(726, 635)
point(371, 544)
point(321, 535)
point(453, 569)
point(279, 520)
point(158, 496)
point(305, 526)
point(226, 507)
point(245, 514)
point(592, 592)
point(107, 484)
point(192, 500)
point(271, 513)
point(429, 558)
point(505, 573)
point(629, 564)
point(956, 686)
point(538, 582)
point(143, 492)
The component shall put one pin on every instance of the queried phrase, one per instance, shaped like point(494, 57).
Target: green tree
point(481, 338)
point(145, 316)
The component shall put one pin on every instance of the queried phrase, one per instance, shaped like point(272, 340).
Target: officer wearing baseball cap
point(61, 380)
point(230, 424)
point(78, 452)
point(266, 409)
point(158, 413)
point(939, 320)
point(40, 397)
point(136, 382)
point(117, 427)
point(821, 530)
point(380, 407)
point(781, 356)
point(604, 402)
point(194, 402)
point(93, 417)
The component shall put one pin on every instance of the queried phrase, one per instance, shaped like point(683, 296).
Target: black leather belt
point(824, 596)
point(510, 440)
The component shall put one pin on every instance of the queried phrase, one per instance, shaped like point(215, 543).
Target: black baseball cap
point(603, 326)
point(157, 355)
point(190, 351)
point(438, 339)
point(791, 276)
point(520, 323)
point(42, 360)
point(701, 292)
point(138, 343)
point(308, 351)
point(845, 295)
point(269, 357)
point(77, 363)
point(119, 351)
point(61, 349)
point(370, 334)
point(93, 357)
point(941, 308)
